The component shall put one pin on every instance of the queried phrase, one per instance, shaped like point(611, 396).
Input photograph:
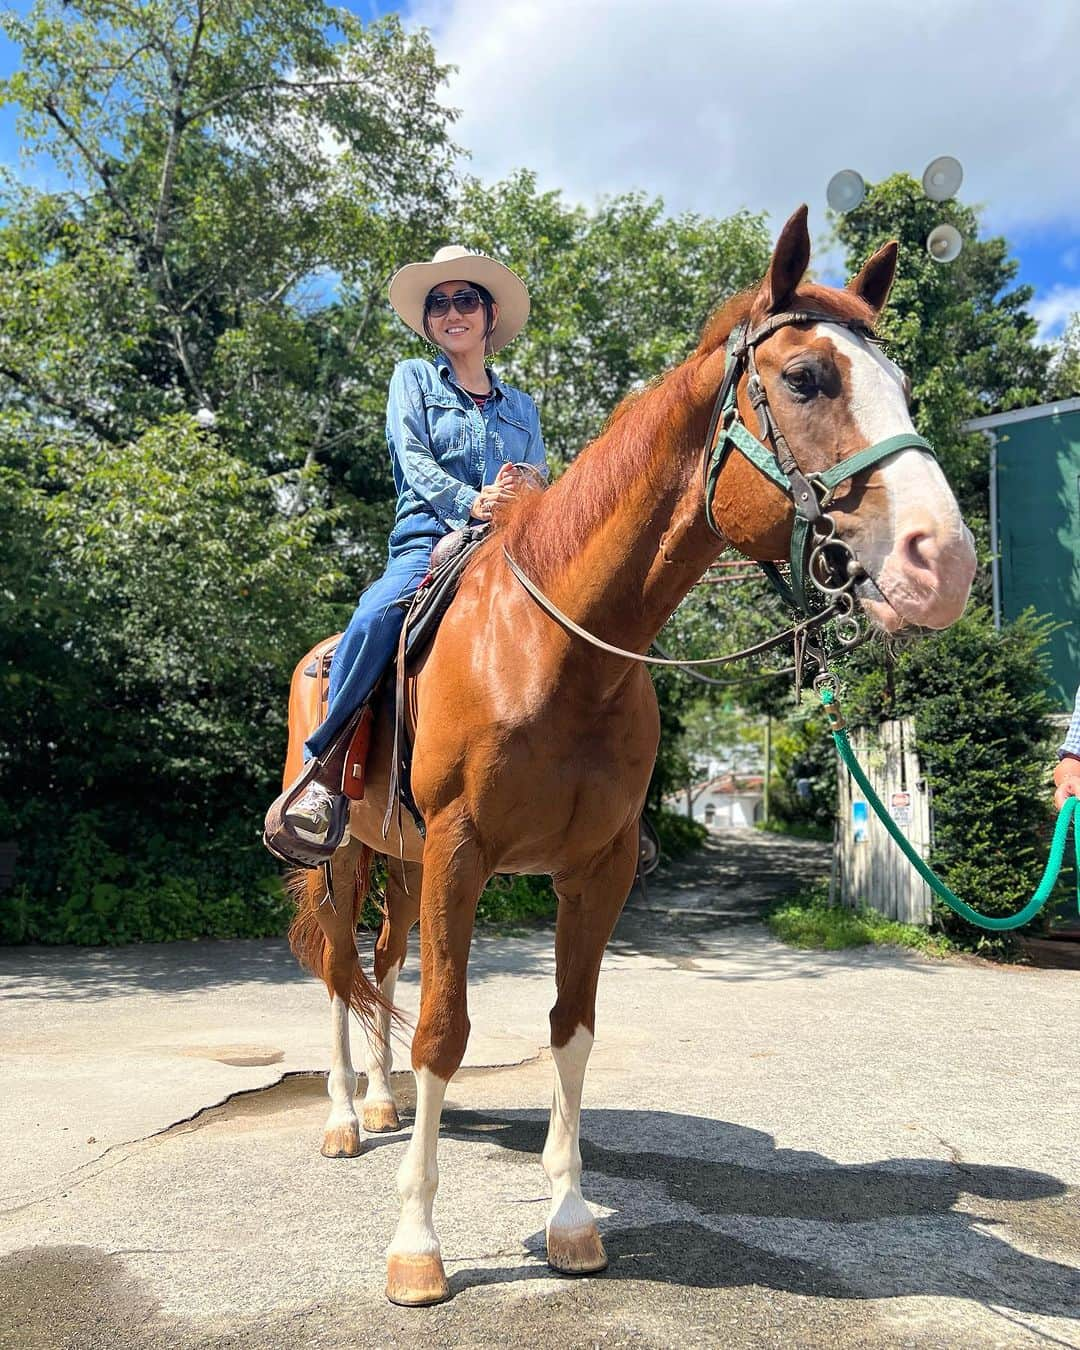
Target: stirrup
point(280, 837)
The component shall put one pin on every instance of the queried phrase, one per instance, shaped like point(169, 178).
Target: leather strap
point(775, 460)
point(549, 607)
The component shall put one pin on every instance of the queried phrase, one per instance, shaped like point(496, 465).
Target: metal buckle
point(825, 493)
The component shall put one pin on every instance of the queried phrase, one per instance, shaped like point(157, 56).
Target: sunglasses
point(465, 302)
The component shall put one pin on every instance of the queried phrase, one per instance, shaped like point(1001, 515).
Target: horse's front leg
point(453, 880)
point(590, 901)
point(402, 910)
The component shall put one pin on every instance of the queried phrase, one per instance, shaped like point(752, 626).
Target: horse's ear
point(790, 259)
point(874, 282)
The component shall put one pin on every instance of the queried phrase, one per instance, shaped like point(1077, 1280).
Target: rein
point(796, 633)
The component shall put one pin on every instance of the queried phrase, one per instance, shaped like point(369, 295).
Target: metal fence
point(868, 868)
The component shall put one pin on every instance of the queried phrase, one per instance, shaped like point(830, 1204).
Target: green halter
point(811, 494)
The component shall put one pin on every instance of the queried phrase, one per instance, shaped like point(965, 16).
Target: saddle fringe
point(312, 949)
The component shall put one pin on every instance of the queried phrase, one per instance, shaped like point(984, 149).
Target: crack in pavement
point(210, 1114)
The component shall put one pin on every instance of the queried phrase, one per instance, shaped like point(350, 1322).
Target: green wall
point(1038, 509)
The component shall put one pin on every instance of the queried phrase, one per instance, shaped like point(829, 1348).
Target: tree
point(982, 722)
point(226, 169)
point(1065, 363)
point(153, 605)
point(229, 191)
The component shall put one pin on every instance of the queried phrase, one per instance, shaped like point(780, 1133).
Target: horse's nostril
point(919, 550)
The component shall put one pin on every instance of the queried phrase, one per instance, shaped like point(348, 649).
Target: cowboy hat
point(410, 285)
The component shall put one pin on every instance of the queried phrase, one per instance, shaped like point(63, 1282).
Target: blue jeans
point(369, 642)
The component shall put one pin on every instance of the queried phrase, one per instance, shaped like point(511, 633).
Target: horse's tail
point(314, 951)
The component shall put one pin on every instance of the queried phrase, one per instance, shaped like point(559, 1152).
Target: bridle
point(816, 550)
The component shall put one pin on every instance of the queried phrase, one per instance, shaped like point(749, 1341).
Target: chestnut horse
point(533, 749)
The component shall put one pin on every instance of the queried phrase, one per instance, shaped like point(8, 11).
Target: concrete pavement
point(854, 1149)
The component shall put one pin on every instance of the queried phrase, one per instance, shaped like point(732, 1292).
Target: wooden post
point(873, 871)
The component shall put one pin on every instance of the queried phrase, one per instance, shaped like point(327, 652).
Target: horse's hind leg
point(589, 904)
point(402, 911)
point(323, 936)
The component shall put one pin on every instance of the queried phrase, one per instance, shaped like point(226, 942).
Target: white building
point(724, 801)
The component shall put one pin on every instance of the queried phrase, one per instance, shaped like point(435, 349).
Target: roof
point(725, 784)
point(1006, 419)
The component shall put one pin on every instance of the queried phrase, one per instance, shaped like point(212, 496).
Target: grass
point(808, 920)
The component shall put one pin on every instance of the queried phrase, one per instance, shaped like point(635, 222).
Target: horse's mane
point(544, 531)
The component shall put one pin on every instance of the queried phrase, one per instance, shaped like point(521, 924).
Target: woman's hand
point(497, 494)
point(1066, 779)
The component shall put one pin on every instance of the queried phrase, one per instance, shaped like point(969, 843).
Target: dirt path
point(732, 879)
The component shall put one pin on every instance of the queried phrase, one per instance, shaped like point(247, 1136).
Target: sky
point(717, 105)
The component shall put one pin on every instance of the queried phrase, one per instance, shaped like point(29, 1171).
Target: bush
point(151, 887)
point(506, 899)
point(803, 753)
point(981, 709)
point(678, 834)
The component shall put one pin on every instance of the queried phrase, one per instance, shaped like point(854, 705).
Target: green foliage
point(678, 834)
point(697, 719)
point(803, 755)
point(796, 829)
point(510, 899)
point(809, 921)
point(228, 191)
point(981, 708)
point(96, 879)
point(1065, 368)
point(152, 607)
point(233, 186)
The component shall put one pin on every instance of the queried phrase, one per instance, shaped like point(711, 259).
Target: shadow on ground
point(797, 1221)
point(711, 1231)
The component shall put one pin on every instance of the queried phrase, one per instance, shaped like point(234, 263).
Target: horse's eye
point(801, 380)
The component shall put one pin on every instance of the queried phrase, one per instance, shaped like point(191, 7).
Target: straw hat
point(410, 284)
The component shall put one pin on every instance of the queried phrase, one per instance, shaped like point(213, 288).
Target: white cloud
point(1054, 309)
point(719, 104)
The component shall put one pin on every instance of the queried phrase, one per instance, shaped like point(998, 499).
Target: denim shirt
point(443, 448)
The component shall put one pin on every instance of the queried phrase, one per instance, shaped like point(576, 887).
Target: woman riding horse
point(533, 747)
point(458, 437)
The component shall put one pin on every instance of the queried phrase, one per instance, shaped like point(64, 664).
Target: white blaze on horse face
point(924, 562)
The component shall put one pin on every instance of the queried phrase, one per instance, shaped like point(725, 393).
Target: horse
point(533, 748)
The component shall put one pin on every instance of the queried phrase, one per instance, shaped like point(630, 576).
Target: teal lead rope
point(1053, 864)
